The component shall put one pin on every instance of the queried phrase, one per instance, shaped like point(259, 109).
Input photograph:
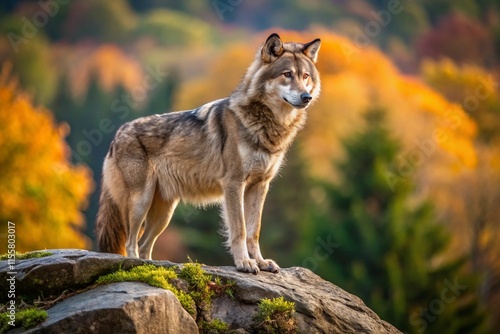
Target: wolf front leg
point(254, 203)
point(235, 224)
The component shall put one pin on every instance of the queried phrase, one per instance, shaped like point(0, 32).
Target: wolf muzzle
point(306, 97)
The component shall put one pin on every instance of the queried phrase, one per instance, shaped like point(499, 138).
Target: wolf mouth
point(299, 106)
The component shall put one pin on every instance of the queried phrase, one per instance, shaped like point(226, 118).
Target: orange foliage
point(109, 64)
point(456, 128)
point(474, 88)
point(40, 191)
point(355, 79)
point(225, 72)
point(473, 208)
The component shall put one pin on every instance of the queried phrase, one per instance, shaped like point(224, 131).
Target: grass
point(276, 316)
point(27, 255)
point(26, 318)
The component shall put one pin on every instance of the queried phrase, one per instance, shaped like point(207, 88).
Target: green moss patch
point(156, 276)
point(199, 285)
point(276, 316)
point(214, 326)
point(191, 285)
point(27, 255)
point(26, 318)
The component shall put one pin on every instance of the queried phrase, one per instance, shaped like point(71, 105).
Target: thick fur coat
point(225, 151)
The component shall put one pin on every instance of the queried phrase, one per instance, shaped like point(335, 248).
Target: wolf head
point(286, 73)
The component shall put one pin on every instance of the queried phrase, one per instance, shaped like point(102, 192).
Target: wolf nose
point(306, 97)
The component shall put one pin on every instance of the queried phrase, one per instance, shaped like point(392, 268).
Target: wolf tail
point(110, 226)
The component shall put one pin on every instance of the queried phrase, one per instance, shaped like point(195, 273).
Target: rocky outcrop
point(321, 307)
point(119, 308)
point(132, 307)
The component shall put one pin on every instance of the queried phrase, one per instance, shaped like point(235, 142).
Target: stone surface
point(321, 307)
point(65, 269)
point(123, 308)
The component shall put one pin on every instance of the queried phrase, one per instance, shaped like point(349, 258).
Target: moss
point(26, 318)
point(192, 286)
point(195, 296)
point(199, 283)
point(220, 287)
point(195, 276)
point(31, 317)
point(214, 326)
point(27, 255)
point(276, 316)
point(156, 276)
point(4, 322)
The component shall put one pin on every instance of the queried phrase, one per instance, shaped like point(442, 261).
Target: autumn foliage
point(432, 69)
point(42, 193)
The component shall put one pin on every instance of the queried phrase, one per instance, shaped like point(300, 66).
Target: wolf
point(226, 151)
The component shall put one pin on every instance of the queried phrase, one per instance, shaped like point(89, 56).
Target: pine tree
point(390, 250)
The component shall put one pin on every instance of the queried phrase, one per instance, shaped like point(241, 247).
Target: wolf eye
point(287, 74)
point(305, 76)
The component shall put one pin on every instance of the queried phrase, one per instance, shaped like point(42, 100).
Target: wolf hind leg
point(157, 220)
point(138, 206)
point(255, 196)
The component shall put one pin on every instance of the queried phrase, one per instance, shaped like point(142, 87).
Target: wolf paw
point(248, 266)
point(269, 265)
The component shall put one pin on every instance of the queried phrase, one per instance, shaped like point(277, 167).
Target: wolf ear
point(311, 49)
point(272, 48)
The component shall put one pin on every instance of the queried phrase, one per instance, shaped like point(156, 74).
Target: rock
point(124, 308)
point(65, 269)
point(321, 307)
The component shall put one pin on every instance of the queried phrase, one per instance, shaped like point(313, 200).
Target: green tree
point(30, 57)
point(390, 249)
point(95, 118)
point(87, 140)
point(169, 28)
point(105, 21)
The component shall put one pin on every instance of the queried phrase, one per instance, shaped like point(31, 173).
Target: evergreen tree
point(95, 118)
point(390, 250)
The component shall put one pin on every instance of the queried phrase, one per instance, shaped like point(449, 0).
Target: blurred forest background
point(392, 191)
